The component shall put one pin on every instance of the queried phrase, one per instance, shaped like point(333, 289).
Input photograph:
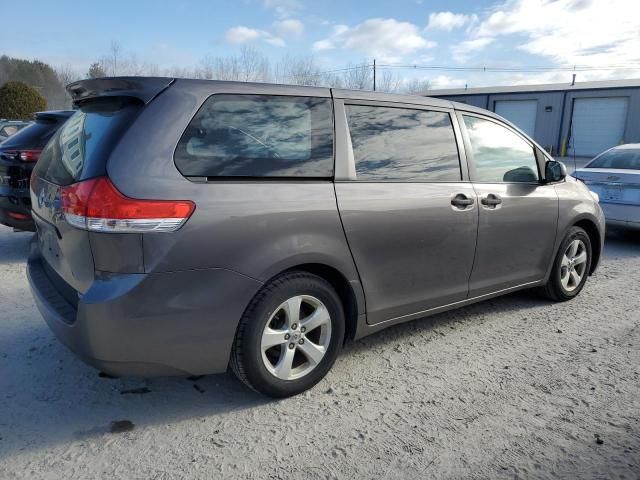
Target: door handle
point(491, 201)
point(461, 201)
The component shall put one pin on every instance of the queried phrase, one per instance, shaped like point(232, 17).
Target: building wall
point(479, 101)
point(553, 118)
point(632, 127)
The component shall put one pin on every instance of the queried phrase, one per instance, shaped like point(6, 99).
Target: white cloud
point(241, 35)
point(384, 38)
point(570, 32)
point(289, 26)
point(448, 21)
point(283, 8)
point(463, 50)
point(321, 45)
point(445, 81)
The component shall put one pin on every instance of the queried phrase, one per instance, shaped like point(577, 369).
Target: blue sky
point(503, 33)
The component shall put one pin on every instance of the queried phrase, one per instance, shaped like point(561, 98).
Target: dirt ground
point(511, 388)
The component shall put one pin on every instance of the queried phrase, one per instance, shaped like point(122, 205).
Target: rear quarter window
point(79, 150)
point(258, 136)
point(622, 159)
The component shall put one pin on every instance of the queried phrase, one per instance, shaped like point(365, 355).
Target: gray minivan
point(187, 225)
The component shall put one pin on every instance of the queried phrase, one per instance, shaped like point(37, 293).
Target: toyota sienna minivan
point(185, 226)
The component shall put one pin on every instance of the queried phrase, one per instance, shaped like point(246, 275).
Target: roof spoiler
point(142, 88)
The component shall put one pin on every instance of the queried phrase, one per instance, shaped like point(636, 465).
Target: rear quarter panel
point(255, 227)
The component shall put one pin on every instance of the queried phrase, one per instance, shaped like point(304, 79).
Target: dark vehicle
point(18, 155)
point(188, 225)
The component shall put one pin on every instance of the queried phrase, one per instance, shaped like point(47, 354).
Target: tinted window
point(81, 147)
point(258, 136)
point(402, 144)
point(499, 154)
point(625, 159)
point(35, 135)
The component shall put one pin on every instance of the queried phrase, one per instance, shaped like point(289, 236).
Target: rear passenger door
point(518, 214)
point(409, 213)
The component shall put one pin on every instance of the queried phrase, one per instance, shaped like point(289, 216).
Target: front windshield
point(625, 159)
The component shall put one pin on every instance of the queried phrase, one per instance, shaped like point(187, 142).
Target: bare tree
point(224, 68)
point(358, 77)
point(178, 72)
point(112, 58)
point(416, 86)
point(388, 81)
point(67, 75)
point(249, 66)
point(96, 70)
point(299, 71)
point(254, 66)
point(206, 68)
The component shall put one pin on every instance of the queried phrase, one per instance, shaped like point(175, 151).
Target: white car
point(615, 176)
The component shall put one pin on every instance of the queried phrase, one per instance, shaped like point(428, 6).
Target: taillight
point(98, 206)
point(30, 155)
point(23, 155)
point(19, 216)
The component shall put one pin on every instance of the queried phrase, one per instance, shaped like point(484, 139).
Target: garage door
point(597, 124)
point(522, 113)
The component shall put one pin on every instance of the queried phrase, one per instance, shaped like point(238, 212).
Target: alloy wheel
point(296, 337)
point(574, 265)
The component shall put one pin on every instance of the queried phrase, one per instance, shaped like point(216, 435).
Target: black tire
point(246, 356)
point(554, 289)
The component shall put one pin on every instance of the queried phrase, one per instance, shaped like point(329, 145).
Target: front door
point(517, 214)
point(409, 217)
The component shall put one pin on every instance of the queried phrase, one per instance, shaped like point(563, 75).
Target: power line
point(480, 68)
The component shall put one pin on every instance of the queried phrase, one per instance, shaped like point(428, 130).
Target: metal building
point(581, 119)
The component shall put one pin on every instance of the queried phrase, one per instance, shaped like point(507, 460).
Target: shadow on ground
point(14, 246)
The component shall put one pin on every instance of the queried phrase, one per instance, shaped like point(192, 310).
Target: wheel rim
point(574, 265)
point(296, 337)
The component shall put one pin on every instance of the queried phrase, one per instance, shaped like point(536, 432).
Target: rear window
point(80, 149)
point(35, 135)
point(258, 136)
point(624, 159)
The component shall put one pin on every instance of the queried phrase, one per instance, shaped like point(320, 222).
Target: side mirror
point(554, 171)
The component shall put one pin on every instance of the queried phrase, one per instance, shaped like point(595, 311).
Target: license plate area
point(47, 239)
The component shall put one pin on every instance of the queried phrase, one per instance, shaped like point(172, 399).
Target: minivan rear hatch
point(77, 152)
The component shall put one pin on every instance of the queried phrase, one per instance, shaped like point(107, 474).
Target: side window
point(258, 136)
point(499, 154)
point(403, 144)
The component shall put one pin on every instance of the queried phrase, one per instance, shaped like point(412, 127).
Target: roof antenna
point(466, 85)
point(573, 82)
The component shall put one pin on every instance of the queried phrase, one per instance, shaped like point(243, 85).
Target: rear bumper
point(621, 215)
point(15, 200)
point(179, 323)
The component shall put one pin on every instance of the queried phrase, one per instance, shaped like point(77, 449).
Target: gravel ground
point(511, 388)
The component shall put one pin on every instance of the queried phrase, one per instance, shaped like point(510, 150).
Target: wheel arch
point(343, 288)
point(591, 228)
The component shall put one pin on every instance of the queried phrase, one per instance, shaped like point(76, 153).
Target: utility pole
point(374, 74)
